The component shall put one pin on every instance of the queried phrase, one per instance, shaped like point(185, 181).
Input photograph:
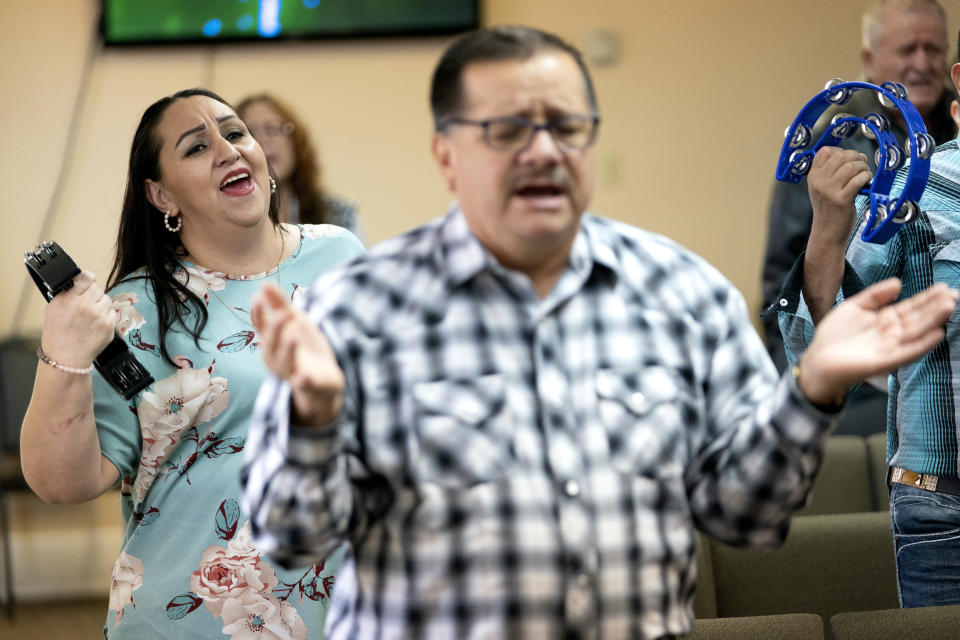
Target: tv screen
point(182, 21)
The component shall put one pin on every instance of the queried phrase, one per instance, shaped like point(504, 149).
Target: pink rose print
point(127, 578)
point(223, 576)
point(235, 584)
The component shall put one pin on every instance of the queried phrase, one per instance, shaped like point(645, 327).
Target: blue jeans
point(926, 539)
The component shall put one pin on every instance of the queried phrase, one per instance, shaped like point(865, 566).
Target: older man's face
point(911, 48)
point(528, 201)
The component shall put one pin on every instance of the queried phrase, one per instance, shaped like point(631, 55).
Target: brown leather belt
point(924, 481)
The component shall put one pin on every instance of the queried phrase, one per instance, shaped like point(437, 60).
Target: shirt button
point(571, 488)
point(783, 302)
point(583, 581)
point(637, 402)
point(471, 409)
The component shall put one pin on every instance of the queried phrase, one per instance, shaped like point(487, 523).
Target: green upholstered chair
point(829, 564)
point(877, 455)
point(793, 626)
point(844, 482)
point(705, 600)
point(922, 623)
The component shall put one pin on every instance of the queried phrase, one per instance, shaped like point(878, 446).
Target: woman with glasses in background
point(289, 151)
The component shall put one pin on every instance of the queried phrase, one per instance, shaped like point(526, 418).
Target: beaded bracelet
point(62, 367)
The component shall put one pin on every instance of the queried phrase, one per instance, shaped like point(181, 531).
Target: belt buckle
point(926, 481)
point(896, 475)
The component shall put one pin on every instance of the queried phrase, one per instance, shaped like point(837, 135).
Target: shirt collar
point(463, 257)
point(600, 243)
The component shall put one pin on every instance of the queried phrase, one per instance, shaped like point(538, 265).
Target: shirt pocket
point(642, 413)
point(946, 253)
point(945, 265)
point(463, 431)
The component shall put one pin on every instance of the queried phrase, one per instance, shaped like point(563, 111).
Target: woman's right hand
point(78, 323)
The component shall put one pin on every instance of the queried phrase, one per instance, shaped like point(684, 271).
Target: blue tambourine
point(887, 214)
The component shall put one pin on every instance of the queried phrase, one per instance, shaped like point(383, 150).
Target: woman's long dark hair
point(306, 179)
point(145, 248)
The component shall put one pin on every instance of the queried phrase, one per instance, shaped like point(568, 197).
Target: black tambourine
point(887, 214)
point(53, 271)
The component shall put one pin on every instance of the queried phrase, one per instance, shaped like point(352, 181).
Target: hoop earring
point(166, 222)
point(273, 185)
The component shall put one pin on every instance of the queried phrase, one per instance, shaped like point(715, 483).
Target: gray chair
point(18, 365)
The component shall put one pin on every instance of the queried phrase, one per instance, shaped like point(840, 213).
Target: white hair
point(872, 22)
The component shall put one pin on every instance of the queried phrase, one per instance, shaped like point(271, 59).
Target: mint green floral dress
point(187, 567)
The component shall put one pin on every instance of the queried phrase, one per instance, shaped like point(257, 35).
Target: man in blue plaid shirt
point(517, 414)
point(923, 441)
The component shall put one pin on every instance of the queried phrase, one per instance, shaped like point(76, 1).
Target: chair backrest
point(843, 482)
point(793, 626)
point(828, 564)
point(18, 366)
point(877, 454)
point(921, 623)
point(705, 597)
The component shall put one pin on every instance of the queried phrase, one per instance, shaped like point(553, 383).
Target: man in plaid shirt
point(517, 414)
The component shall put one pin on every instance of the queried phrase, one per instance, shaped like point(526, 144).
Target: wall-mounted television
point(131, 22)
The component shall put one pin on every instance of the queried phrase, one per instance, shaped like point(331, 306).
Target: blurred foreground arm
point(295, 350)
point(867, 335)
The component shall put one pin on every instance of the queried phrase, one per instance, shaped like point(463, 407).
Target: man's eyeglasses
point(271, 130)
point(514, 133)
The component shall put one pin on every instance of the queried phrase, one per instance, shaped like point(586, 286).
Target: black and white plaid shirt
point(513, 467)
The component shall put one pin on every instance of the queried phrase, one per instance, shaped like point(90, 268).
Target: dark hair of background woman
point(314, 207)
point(144, 243)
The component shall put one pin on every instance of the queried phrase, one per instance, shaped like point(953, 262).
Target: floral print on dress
point(322, 230)
point(130, 321)
point(297, 293)
point(200, 281)
point(130, 318)
point(229, 573)
point(127, 577)
point(238, 342)
point(188, 398)
point(237, 586)
point(253, 618)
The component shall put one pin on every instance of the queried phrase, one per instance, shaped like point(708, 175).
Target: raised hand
point(78, 323)
point(866, 335)
point(835, 179)
point(295, 350)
